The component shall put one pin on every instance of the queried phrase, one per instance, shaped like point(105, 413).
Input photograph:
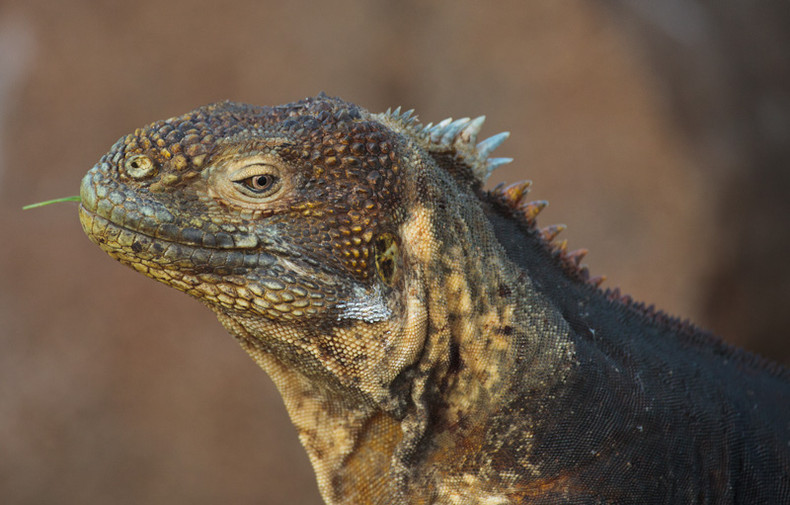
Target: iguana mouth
point(149, 239)
point(157, 224)
point(138, 247)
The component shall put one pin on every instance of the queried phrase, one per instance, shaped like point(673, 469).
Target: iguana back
point(430, 342)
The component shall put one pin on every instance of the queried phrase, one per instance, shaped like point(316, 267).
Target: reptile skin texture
point(431, 343)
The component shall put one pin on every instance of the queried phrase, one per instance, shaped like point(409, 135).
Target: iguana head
point(356, 258)
point(299, 225)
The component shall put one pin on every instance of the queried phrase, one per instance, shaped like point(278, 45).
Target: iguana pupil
point(258, 183)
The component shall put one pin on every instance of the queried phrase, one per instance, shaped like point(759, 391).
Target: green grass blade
point(74, 198)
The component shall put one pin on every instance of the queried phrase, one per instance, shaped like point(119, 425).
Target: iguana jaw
point(346, 334)
point(356, 430)
point(237, 273)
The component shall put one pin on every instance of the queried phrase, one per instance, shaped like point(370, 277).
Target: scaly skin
point(430, 343)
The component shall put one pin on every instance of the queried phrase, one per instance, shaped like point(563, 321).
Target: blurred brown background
point(658, 130)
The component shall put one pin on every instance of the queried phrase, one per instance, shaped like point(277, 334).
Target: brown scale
point(349, 230)
point(175, 148)
point(353, 223)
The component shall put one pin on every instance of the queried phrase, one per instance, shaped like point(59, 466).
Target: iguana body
point(431, 344)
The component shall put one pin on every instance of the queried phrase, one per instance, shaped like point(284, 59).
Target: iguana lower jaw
point(344, 335)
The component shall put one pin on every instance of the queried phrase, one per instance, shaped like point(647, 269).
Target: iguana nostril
point(139, 166)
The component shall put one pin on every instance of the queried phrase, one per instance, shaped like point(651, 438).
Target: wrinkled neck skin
point(491, 339)
point(425, 423)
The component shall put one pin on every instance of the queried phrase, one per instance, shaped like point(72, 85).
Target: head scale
point(286, 215)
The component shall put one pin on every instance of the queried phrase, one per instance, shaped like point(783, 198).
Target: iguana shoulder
point(430, 342)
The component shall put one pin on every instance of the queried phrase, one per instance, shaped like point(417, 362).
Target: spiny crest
point(458, 137)
point(514, 197)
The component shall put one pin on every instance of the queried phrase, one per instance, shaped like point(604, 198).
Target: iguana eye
point(253, 181)
point(258, 181)
point(258, 184)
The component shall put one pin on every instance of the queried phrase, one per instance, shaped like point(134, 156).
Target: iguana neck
point(348, 438)
point(491, 336)
point(486, 333)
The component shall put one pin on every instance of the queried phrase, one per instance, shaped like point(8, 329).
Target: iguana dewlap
point(431, 344)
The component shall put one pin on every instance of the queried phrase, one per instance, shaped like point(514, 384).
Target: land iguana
point(431, 343)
